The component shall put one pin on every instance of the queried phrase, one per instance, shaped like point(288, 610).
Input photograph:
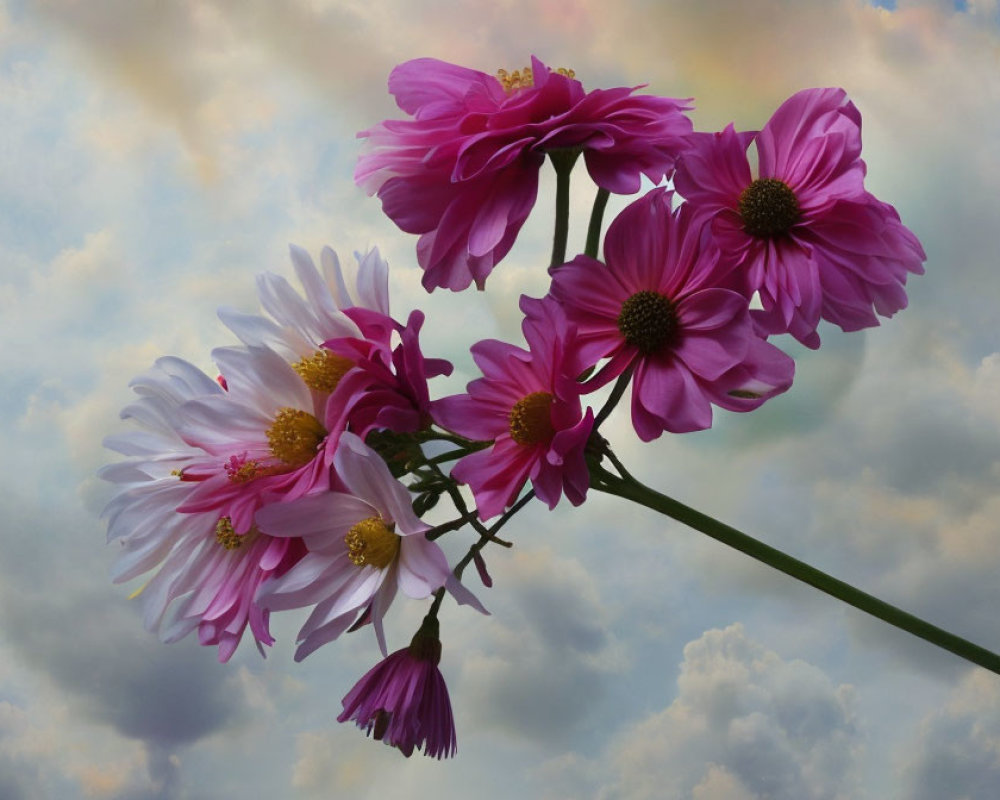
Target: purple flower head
point(386, 388)
point(805, 233)
point(463, 173)
point(661, 307)
point(403, 700)
point(528, 404)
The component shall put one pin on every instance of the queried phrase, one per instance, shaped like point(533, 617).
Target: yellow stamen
point(295, 436)
point(372, 543)
point(244, 472)
point(523, 78)
point(531, 419)
point(139, 591)
point(226, 535)
point(322, 370)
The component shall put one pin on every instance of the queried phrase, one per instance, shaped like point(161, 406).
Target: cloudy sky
point(154, 156)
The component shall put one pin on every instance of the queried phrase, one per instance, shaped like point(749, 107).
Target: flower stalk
point(628, 488)
point(562, 161)
point(596, 220)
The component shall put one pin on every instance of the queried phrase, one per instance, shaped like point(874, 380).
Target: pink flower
point(805, 233)
point(403, 700)
point(387, 388)
point(660, 308)
point(463, 173)
point(363, 546)
point(209, 568)
point(344, 344)
point(528, 404)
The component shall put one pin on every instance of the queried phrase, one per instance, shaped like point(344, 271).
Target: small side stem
point(616, 394)
point(631, 489)
point(596, 218)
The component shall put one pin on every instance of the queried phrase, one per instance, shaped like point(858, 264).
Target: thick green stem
point(596, 218)
point(631, 489)
point(563, 161)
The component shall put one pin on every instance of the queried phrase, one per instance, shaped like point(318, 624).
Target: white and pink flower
point(364, 545)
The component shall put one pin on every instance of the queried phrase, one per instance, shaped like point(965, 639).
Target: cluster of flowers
point(277, 485)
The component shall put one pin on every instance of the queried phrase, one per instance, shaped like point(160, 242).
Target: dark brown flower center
point(648, 321)
point(531, 419)
point(768, 208)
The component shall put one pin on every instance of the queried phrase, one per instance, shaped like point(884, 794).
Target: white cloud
point(746, 724)
point(957, 750)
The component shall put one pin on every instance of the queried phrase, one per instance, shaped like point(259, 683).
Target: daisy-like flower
point(403, 700)
point(344, 345)
point(528, 404)
point(659, 307)
point(363, 545)
point(463, 173)
point(805, 233)
point(297, 325)
point(209, 570)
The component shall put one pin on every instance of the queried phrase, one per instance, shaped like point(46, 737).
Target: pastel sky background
point(155, 155)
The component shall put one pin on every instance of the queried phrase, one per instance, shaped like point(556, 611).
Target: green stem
point(616, 394)
point(562, 161)
point(631, 489)
point(596, 218)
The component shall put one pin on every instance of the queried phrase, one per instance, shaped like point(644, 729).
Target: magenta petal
point(665, 396)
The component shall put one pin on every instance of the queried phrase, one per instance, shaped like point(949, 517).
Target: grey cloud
point(548, 654)
point(91, 643)
point(957, 751)
point(746, 719)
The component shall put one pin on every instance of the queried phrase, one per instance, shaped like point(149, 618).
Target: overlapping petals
point(403, 700)
point(822, 247)
point(661, 306)
point(364, 545)
point(528, 404)
point(463, 173)
point(209, 570)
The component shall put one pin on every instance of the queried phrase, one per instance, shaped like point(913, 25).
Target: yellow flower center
point(322, 370)
point(294, 436)
point(372, 543)
point(531, 419)
point(226, 535)
point(523, 78)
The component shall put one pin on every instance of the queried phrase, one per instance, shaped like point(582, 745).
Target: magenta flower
point(463, 173)
point(363, 545)
point(528, 404)
point(403, 700)
point(660, 307)
point(805, 233)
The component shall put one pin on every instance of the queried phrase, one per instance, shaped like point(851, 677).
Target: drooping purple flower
point(662, 307)
point(805, 233)
point(528, 404)
point(463, 173)
point(403, 700)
